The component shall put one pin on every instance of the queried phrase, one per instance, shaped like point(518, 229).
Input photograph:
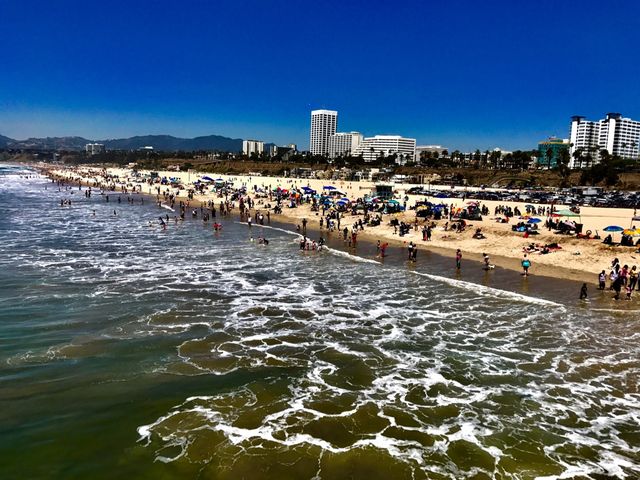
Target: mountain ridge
point(158, 142)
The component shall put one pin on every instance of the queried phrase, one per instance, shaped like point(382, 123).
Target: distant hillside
point(158, 142)
point(4, 141)
point(170, 143)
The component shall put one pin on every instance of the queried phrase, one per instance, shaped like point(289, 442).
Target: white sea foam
point(315, 339)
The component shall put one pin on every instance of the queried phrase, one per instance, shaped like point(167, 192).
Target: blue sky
point(463, 74)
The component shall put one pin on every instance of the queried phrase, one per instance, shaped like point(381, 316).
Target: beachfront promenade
point(576, 258)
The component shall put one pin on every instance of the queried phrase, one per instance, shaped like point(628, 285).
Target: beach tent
point(567, 213)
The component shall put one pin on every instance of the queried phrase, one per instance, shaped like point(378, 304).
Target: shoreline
point(504, 247)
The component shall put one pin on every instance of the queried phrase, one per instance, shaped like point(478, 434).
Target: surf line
point(482, 289)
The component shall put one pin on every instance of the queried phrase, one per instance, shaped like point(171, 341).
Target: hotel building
point(618, 135)
point(344, 144)
point(371, 148)
point(94, 148)
point(249, 147)
point(323, 124)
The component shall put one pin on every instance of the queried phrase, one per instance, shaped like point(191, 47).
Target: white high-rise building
point(618, 135)
point(249, 147)
point(373, 147)
point(94, 148)
point(324, 123)
point(344, 143)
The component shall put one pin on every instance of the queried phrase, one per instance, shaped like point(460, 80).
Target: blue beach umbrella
point(534, 220)
point(442, 195)
point(613, 228)
point(328, 187)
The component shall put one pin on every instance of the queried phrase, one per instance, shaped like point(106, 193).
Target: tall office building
point(249, 147)
point(618, 135)
point(344, 143)
point(323, 124)
point(373, 147)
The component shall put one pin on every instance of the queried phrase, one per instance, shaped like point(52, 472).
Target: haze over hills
point(158, 142)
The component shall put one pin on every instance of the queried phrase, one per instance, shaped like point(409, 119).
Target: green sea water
point(128, 351)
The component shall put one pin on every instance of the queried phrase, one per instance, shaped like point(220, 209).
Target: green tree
point(563, 165)
point(549, 155)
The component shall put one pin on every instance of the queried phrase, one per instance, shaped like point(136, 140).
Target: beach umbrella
point(534, 220)
point(613, 228)
point(308, 190)
point(442, 195)
point(530, 206)
point(208, 179)
point(632, 232)
point(472, 203)
point(329, 187)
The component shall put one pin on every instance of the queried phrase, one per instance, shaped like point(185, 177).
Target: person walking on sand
point(526, 263)
point(458, 259)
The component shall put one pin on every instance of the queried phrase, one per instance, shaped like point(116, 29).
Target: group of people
point(621, 278)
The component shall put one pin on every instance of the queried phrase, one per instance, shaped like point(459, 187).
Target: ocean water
point(128, 351)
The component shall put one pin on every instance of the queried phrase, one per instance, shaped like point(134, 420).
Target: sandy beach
point(577, 259)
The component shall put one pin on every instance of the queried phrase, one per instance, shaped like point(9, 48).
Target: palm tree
point(549, 155)
point(577, 158)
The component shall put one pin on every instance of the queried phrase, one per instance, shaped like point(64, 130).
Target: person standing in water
point(526, 263)
point(487, 265)
point(583, 292)
point(458, 259)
